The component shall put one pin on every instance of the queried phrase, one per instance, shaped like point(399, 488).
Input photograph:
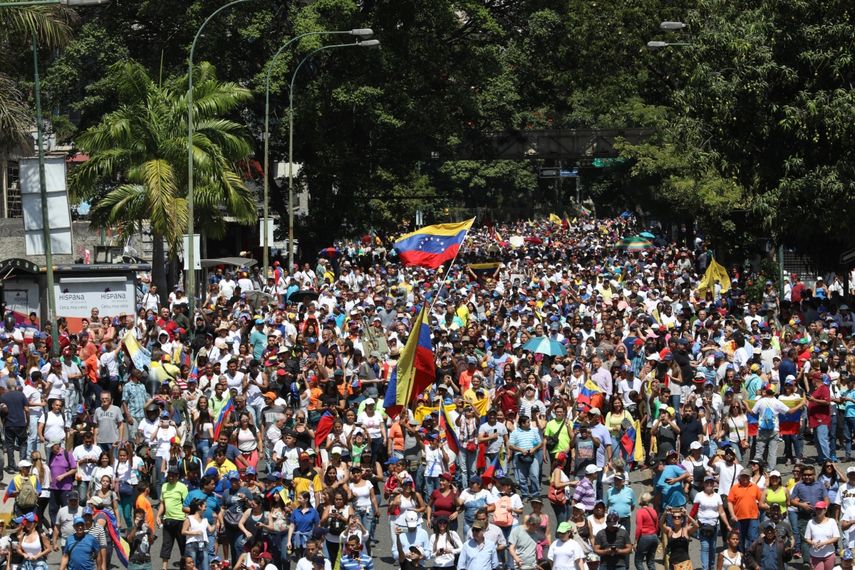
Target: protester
point(559, 352)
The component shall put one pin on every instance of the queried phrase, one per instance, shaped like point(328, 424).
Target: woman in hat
point(821, 536)
point(564, 552)
point(32, 546)
point(444, 543)
point(443, 502)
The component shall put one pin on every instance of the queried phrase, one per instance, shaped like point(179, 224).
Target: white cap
point(369, 401)
point(591, 469)
point(695, 445)
point(411, 519)
point(25, 463)
point(654, 357)
point(850, 470)
point(776, 473)
point(336, 450)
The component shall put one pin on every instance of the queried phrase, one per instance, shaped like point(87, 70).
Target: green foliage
point(138, 154)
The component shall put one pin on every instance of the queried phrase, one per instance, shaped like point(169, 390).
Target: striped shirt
point(135, 396)
point(361, 562)
point(585, 494)
point(525, 438)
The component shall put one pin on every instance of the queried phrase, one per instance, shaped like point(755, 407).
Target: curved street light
point(365, 44)
point(191, 260)
point(358, 32)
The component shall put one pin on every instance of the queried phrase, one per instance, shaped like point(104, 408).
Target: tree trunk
point(158, 266)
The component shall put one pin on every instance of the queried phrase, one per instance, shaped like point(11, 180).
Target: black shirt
point(689, 432)
point(15, 404)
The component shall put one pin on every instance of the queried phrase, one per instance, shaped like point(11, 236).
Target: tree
point(138, 158)
point(50, 26)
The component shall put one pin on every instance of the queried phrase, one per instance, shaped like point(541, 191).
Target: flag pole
point(445, 278)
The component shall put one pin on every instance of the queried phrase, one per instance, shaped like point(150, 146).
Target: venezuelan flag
point(416, 369)
point(324, 427)
point(446, 431)
point(120, 544)
point(590, 395)
point(432, 246)
point(490, 471)
point(791, 422)
point(227, 409)
point(753, 419)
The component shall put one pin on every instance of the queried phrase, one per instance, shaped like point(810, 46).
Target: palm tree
point(50, 26)
point(138, 158)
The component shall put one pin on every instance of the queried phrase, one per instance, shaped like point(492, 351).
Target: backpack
point(27, 497)
point(767, 419)
point(503, 516)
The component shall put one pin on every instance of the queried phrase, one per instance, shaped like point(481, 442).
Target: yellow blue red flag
point(432, 246)
point(416, 369)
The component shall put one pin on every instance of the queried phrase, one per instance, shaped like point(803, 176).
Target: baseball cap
point(480, 525)
point(25, 463)
point(411, 519)
point(564, 527)
point(776, 473)
point(370, 402)
point(696, 445)
point(79, 520)
point(591, 469)
point(821, 505)
point(850, 470)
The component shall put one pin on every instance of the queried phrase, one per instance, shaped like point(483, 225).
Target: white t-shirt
point(826, 530)
point(371, 424)
point(57, 388)
point(708, 506)
point(727, 475)
point(564, 555)
point(108, 359)
point(848, 534)
point(845, 497)
point(767, 402)
point(54, 429)
point(163, 440)
point(85, 471)
point(33, 397)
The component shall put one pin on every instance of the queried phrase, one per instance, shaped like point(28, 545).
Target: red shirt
point(443, 506)
point(820, 414)
point(509, 399)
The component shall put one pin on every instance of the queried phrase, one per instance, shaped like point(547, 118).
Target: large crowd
point(253, 432)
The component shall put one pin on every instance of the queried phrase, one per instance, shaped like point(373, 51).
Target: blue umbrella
point(647, 235)
point(545, 345)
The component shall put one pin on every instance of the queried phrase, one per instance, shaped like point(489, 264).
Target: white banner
point(76, 297)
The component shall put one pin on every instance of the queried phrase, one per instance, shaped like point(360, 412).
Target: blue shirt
point(305, 522)
point(82, 556)
point(672, 494)
point(258, 340)
point(417, 538)
point(849, 407)
point(474, 556)
point(211, 501)
point(810, 494)
point(525, 439)
point(361, 562)
point(622, 502)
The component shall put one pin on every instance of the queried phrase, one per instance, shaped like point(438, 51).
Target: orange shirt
point(315, 398)
point(745, 501)
point(396, 434)
point(144, 504)
point(465, 379)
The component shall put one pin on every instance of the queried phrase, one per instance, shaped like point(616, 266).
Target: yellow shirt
point(481, 405)
point(223, 469)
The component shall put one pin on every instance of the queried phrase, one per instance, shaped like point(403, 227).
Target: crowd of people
point(253, 432)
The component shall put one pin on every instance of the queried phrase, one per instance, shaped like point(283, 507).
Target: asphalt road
point(639, 481)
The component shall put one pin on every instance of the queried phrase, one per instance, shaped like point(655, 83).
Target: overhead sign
point(59, 216)
point(847, 257)
point(77, 296)
point(185, 247)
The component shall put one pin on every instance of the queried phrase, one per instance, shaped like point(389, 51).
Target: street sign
point(59, 216)
point(847, 257)
point(567, 173)
point(550, 172)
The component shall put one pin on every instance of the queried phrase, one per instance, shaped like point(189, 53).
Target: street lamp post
point(191, 254)
point(51, 317)
point(358, 32)
point(367, 43)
